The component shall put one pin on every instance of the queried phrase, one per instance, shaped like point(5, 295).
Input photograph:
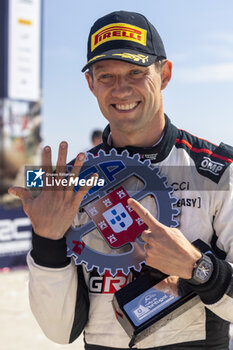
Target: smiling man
point(129, 97)
point(127, 70)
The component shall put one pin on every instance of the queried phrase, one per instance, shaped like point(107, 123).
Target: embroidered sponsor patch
point(135, 58)
point(118, 31)
point(211, 166)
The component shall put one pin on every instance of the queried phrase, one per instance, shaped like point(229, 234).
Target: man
point(127, 71)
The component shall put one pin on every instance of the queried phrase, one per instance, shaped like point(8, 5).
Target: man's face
point(129, 96)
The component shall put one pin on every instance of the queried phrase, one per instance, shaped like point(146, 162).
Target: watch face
point(203, 271)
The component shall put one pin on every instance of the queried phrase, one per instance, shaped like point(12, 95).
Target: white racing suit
point(65, 299)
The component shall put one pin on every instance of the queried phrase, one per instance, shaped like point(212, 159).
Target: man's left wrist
point(202, 271)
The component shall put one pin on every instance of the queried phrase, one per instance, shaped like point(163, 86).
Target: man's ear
point(166, 74)
point(90, 82)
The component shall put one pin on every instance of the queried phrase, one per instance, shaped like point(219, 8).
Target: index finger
point(144, 214)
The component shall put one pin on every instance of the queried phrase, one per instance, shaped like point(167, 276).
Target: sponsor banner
point(15, 237)
point(24, 45)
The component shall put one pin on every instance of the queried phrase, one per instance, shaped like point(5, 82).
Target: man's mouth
point(126, 107)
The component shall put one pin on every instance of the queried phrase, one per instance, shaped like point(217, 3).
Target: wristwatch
point(202, 270)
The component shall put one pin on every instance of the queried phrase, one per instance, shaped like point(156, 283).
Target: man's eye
point(135, 72)
point(105, 76)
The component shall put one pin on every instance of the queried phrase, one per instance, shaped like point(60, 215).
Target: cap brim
point(126, 55)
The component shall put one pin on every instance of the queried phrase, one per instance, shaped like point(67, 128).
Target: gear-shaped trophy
point(116, 169)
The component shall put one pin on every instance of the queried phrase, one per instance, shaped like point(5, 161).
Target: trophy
point(109, 213)
point(147, 303)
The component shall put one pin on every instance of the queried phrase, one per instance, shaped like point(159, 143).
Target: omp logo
point(118, 31)
point(107, 284)
point(213, 167)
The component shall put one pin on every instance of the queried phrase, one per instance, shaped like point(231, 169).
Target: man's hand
point(166, 248)
point(53, 211)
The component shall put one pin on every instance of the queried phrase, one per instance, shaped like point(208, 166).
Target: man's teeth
point(126, 107)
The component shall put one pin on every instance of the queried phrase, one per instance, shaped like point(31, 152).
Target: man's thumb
point(20, 192)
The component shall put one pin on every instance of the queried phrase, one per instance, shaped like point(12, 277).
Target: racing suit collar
point(155, 153)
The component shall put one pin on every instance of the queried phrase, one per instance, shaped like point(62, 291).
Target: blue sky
point(198, 38)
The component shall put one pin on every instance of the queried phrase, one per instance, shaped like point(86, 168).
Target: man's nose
point(121, 87)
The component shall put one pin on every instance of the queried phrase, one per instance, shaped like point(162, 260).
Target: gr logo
point(209, 165)
point(107, 284)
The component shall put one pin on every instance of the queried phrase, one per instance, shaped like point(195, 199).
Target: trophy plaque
point(148, 303)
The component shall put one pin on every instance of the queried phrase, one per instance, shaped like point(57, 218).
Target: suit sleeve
point(57, 291)
point(217, 293)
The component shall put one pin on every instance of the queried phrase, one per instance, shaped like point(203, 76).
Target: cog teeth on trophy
point(69, 253)
point(142, 263)
point(174, 223)
point(76, 259)
point(155, 170)
point(137, 268)
point(100, 270)
point(88, 266)
point(119, 270)
point(164, 179)
point(113, 152)
point(174, 217)
point(137, 157)
point(89, 156)
point(125, 153)
point(113, 272)
point(101, 153)
point(125, 270)
point(147, 163)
